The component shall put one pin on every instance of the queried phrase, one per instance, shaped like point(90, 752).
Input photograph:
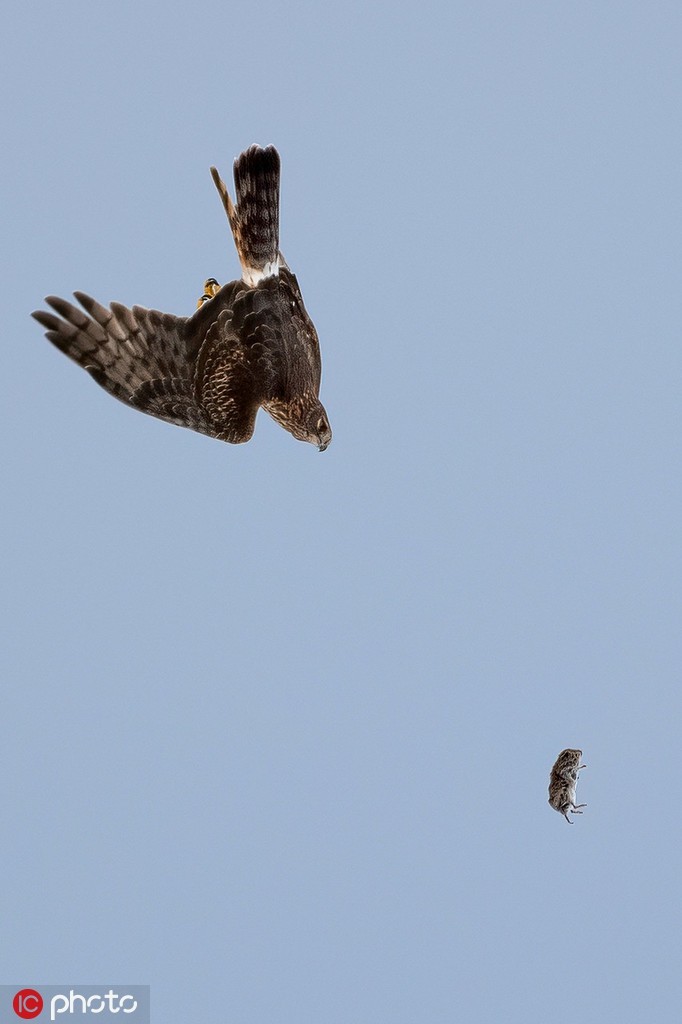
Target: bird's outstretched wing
point(209, 372)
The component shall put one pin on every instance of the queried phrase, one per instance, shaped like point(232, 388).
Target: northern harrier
point(250, 343)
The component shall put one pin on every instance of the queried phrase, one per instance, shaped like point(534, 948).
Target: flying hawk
point(249, 344)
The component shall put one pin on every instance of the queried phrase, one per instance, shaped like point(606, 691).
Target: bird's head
point(317, 429)
point(312, 425)
point(305, 419)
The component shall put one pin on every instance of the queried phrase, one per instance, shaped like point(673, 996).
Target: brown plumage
point(563, 780)
point(250, 344)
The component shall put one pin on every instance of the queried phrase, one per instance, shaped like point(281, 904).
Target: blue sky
point(278, 725)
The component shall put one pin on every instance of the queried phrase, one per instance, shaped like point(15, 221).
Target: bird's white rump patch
point(254, 275)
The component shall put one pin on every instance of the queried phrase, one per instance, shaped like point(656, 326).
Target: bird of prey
point(563, 780)
point(249, 344)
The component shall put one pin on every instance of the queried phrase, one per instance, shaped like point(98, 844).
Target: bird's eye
point(322, 425)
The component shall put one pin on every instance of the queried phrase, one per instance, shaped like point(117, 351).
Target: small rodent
point(562, 782)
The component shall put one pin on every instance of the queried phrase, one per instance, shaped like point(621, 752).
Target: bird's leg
point(576, 806)
point(211, 288)
point(567, 818)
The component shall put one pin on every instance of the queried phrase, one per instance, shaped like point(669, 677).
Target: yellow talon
point(211, 288)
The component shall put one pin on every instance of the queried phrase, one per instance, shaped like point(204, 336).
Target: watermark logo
point(27, 1003)
point(125, 1004)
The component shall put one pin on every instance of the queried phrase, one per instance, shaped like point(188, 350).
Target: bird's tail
point(255, 218)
